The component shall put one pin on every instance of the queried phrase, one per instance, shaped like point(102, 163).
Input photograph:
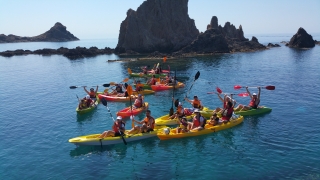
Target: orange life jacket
point(146, 121)
point(196, 103)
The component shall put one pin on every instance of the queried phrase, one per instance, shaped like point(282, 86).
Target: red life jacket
point(227, 113)
point(116, 127)
point(253, 103)
point(196, 121)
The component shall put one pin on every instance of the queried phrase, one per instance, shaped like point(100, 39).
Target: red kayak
point(126, 112)
point(161, 87)
point(116, 98)
point(162, 71)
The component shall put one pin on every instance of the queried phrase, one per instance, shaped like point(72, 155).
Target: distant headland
point(161, 32)
point(58, 33)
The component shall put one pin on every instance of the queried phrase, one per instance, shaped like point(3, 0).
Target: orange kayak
point(161, 87)
point(126, 112)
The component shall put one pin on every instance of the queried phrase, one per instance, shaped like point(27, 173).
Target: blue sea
point(38, 116)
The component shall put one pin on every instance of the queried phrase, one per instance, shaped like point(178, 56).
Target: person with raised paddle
point(152, 81)
point(147, 124)
point(225, 101)
point(92, 93)
point(118, 128)
point(196, 103)
point(179, 113)
point(254, 102)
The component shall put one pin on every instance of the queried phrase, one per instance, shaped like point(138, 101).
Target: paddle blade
point(219, 90)
point(197, 75)
point(105, 85)
point(236, 87)
point(73, 87)
point(104, 102)
point(270, 87)
point(176, 102)
point(171, 111)
point(243, 94)
point(126, 80)
point(129, 71)
point(129, 90)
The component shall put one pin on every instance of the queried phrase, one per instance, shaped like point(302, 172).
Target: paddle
point(174, 88)
point(74, 87)
point(129, 90)
point(104, 102)
point(240, 94)
point(195, 78)
point(266, 87)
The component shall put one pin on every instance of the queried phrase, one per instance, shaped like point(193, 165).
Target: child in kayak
point(214, 120)
point(82, 104)
point(184, 125)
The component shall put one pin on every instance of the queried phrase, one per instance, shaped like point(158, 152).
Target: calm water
point(38, 117)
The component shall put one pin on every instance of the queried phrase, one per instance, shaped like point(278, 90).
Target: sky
point(101, 19)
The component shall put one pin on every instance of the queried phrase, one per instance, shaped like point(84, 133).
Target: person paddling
point(147, 124)
point(118, 128)
point(196, 103)
point(198, 121)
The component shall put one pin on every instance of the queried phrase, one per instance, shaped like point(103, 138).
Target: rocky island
point(160, 28)
point(58, 33)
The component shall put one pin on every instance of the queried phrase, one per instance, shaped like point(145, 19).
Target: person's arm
point(96, 90)
point(248, 92)
point(139, 122)
point(220, 98)
point(84, 87)
point(258, 99)
point(201, 121)
point(188, 100)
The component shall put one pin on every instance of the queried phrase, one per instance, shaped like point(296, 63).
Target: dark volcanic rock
point(301, 40)
point(157, 25)
point(217, 39)
point(58, 33)
point(78, 52)
point(273, 45)
point(211, 41)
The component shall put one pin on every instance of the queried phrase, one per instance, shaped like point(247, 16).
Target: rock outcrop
point(76, 53)
point(157, 25)
point(301, 40)
point(58, 33)
point(218, 39)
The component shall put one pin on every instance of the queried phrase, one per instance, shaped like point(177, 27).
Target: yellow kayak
point(165, 121)
point(93, 140)
point(207, 130)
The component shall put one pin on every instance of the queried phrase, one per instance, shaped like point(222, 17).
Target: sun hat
point(254, 94)
point(119, 117)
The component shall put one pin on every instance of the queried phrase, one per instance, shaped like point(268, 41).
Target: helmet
point(166, 131)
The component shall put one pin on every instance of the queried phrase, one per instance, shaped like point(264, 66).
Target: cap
point(91, 89)
point(179, 104)
point(195, 96)
point(119, 117)
point(196, 111)
point(254, 94)
point(87, 97)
